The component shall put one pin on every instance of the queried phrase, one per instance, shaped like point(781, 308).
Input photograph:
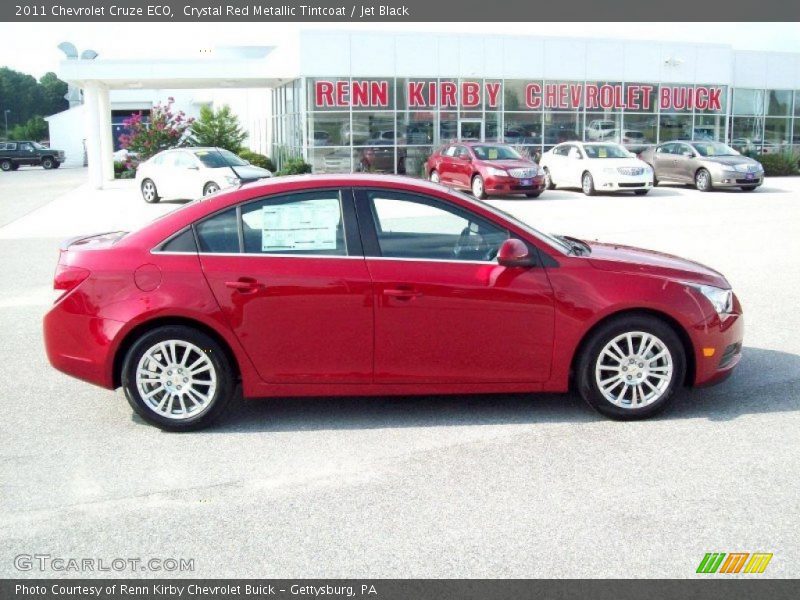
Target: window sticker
point(307, 225)
point(602, 152)
point(492, 153)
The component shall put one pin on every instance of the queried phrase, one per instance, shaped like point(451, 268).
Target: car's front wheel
point(149, 191)
point(548, 180)
point(640, 192)
point(629, 368)
point(587, 184)
point(178, 378)
point(534, 194)
point(702, 180)
point(478, 189)
point(48, 162)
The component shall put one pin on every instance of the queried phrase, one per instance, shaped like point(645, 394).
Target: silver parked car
point(706, 164)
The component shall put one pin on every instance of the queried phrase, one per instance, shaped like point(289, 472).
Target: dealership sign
point(537, 95)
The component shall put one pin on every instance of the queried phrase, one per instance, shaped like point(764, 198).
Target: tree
point(53, 92)
point(26, 98)
point(34, 129)
point(218, 128)
point(165, 129)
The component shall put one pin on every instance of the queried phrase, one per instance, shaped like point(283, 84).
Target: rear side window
point(219, 234)
point(183, 242)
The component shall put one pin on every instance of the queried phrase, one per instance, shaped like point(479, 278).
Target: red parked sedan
point(365, 285)
point(485, 170)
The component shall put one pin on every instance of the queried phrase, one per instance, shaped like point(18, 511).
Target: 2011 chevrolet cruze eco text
point(369, 285)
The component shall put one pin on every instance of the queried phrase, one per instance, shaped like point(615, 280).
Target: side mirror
point(688, 153)
point(514, 253)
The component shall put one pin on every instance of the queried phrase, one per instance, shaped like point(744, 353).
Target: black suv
point(14, 154)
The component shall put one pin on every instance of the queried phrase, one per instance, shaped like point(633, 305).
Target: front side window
point(416, 227)
point(26, 147)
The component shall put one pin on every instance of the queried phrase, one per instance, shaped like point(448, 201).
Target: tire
point(599, 361)
point(434, 176)
point(6, 165)
point(47, 163)
point(478, 189)
point(548, 181)
point(56, 164)
point(702, 180)
point(173, 403)
point(587, 184)
point(150, 191)
point(640, 192)
point(534, 194)
point(210, 188)
point(748, 188)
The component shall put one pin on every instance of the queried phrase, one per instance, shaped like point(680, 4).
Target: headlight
point(721, 300)
point(743, 168)
point(539, 170)
point(231, 180)
point(495, 172)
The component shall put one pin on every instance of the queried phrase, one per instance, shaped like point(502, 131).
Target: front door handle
point(402, 293)
point(244, 285)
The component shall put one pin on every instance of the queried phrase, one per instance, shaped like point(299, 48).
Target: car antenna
point(230, 166)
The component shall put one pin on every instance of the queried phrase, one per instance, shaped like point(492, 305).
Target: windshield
point(216, 158)
point(496, 153)
point(714, 149)
point(605, 151)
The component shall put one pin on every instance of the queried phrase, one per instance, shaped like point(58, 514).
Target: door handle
point(402, 294)
point(244, 284)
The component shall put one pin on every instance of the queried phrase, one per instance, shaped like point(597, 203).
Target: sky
point(31, 47)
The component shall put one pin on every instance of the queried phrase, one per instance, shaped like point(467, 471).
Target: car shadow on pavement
point(766, 381)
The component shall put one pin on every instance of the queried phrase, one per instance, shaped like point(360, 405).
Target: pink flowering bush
point(165, 129)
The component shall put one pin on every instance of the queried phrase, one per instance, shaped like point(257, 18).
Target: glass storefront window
point(779, 103)
point(417, 93)
point(411, 160)
point(674, 127)
point(643, 128)
point(777, 134)
point(602, 127)
point(331, 160)
point(516, 91)
point(796, 132)
point(371, 127)
point(523, 128)
point(746, 133)
point(448, 127)
point(641, 97)
point(561, 96)
point(492, 129)
point(748, 101)
point(797, 103)
point(415, 128)
point(328, 129)
point(562, 127)
point(375, 159)
point(708, 128)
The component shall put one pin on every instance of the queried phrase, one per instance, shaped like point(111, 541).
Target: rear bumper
point(80, 345)
point(504, 186)
point(725, 338)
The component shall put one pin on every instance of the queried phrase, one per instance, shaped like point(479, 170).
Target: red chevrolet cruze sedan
point(485, 169)
point(365, 285)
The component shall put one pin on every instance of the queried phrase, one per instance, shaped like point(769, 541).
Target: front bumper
point(623, 183)
point(736, 179)
point(503, 186)
point(717, 347)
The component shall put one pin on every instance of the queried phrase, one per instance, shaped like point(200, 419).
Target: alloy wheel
point(211, 188)
point(434, 176)
point(176, 379)
point(149, 191)
point(703, 180)
point(634, 370)
point(477, 187)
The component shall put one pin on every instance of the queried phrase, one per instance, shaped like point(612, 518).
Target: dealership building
point(348, 101)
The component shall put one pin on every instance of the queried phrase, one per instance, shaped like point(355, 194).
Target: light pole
point(5, 115)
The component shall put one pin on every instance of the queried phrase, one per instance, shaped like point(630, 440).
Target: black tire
point(534, 194)
point(56, 164)
point(478, 187)
point(223, 370)
point(748, 188)
point(548, 180)
point(587, 184)
point(6, 165)
point(702, 180)
point(150, 191)
point(640, 192)
point(48, 162)
point(210, 188)
point(591, 351)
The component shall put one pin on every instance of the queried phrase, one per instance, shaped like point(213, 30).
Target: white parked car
point(601, 130)
point(189, 173)
point(596, 167)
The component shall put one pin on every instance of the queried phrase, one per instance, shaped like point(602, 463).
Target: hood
point(626, 259)
point(251, 173)
point(509, 164)
point(730, 160)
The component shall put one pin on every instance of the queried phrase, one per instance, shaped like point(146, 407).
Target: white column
point(106, 143)
point(94, 129)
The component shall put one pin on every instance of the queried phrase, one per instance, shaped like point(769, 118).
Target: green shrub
point(258, 160)
point(119, 167)
point(295, 166)
point(219, 128)
point(784, 163)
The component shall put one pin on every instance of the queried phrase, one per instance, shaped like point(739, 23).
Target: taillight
point(67, 278)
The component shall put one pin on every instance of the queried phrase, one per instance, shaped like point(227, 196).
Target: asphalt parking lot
point(490, 486)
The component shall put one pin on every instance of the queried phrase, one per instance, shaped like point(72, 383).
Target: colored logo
point(734, 562)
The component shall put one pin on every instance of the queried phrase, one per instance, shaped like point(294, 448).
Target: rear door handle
point(244, 284)
point(402, 294)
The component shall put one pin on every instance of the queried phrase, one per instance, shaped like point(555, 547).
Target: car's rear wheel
point(434, 176)
point(702, 180)
point(587, 184)
point(478, 189)
point(548, 180)
point(6, 165)
point(149, 191)
point(629, 368)
point(47, 162)
point(178, 378)
point(210, 188)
